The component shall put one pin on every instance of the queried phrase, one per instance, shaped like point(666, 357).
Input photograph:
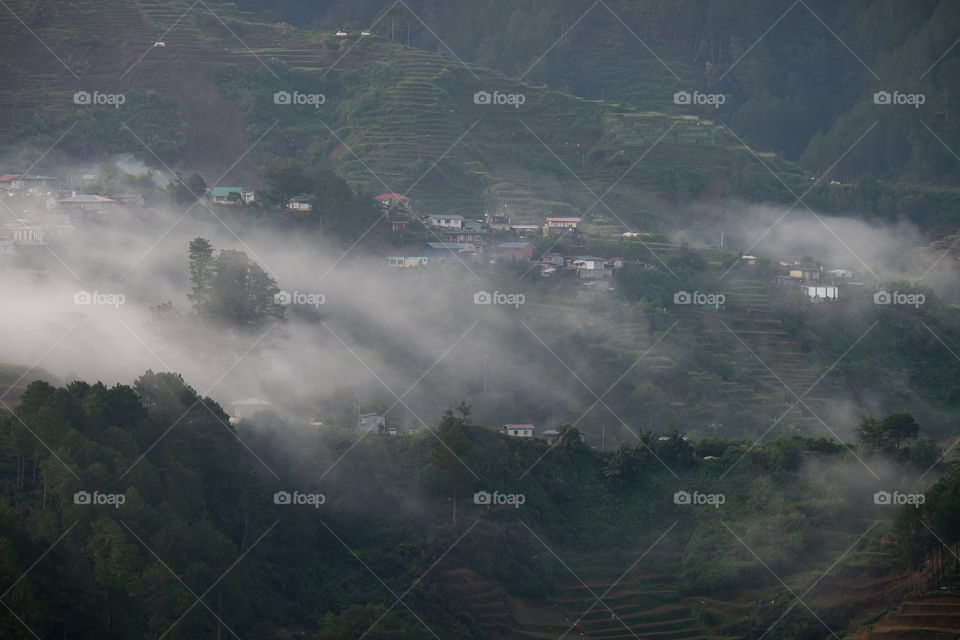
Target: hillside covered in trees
point(130, 528)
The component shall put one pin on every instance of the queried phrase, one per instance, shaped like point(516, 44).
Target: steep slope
point(393, 116)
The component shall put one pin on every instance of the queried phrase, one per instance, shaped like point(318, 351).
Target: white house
point(818, 293)
point(588, 267)
point(518, 430)
point(446, 222)
point(561, 226)
point(300, 203)
point(241, 409)
point(23, 233)
point(370, 421)
point(407, 261)
point(26, 235)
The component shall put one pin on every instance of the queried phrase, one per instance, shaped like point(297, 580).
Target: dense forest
point(139, 512)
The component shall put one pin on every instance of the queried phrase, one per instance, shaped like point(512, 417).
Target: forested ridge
point(198, 544)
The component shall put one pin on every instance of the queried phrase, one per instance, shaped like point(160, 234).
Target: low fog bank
point(361, 334)
point(877, 252)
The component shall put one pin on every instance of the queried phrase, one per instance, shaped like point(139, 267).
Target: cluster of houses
point(13, 184)
point(466, 240)
point(49, 213)
point(550, 436)
point(375, 422)
point(232, 196)
point(815, 282)
point(55, 211)
point(586, 267)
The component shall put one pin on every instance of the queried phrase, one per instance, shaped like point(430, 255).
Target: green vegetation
point(228, 290)
point(189, 509)
point(931, 531)
point(802, 90)
point(698, 493)
point(398, 116)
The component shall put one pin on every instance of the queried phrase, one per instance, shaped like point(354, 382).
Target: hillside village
point(684, 424)
point(49, 214)
point(404, 239)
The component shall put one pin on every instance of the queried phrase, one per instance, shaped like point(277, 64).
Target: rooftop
point(251, 402)
point(10, 177)
point(87, 198)
point(390, 195)
point(225, 191)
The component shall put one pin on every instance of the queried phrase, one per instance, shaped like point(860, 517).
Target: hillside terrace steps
point(645, 600)
point(928, 617)
point(483, 601)
point(748, 315)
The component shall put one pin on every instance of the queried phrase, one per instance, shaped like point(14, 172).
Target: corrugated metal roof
point(224, 191)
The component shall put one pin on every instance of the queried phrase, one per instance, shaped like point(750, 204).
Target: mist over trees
point(143, 513)
point(347, 319)
point(227, 290)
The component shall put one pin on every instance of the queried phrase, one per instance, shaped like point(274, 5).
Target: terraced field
point(484, 601)
point(644, 603)
point(926, 617)
point(766, 366)
point(407, 113)
point(631, 608)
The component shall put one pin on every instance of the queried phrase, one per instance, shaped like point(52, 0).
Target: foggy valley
point(513, 320)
